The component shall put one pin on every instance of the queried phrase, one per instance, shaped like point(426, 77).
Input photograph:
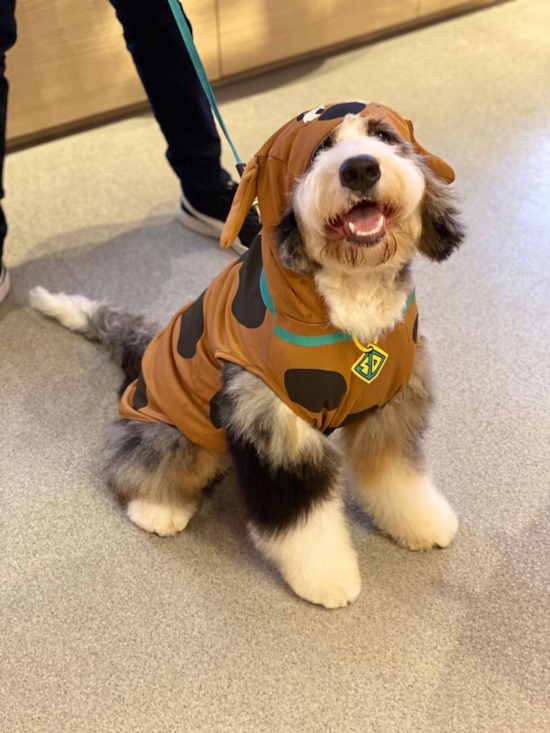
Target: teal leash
point(201, 73)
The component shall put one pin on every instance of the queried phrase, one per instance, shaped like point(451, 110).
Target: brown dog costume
point(270, 320)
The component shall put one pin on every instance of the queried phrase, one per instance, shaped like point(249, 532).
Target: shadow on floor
point(154, 265)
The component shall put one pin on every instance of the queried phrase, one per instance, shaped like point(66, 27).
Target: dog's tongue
point(364, 223)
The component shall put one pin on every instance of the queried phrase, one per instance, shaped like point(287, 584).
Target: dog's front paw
point(161, 519)
point(333, 584)
point(315, 556)
point(426, 521)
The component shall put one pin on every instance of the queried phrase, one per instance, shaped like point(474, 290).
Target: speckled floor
point(106, 629)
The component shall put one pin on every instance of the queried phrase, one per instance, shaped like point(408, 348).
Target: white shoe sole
point(206, 225)
point(5, 286)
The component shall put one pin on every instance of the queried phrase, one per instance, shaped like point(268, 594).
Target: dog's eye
point(383, 132)
point(384, 136)
point(324, 145)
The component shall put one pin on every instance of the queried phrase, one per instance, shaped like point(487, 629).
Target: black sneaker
point(4, 282)
point(208, 216)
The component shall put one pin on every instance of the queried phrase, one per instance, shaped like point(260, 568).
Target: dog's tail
point(124, 335)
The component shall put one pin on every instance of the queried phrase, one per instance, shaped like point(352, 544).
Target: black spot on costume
point(191, 329)
point(248, 306)
point(315, 389)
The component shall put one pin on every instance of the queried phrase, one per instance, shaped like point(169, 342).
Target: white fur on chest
point(364, 306)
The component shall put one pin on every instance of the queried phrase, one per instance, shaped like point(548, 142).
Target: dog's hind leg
point(158, 474)
point(289, 475)
point(391, 478)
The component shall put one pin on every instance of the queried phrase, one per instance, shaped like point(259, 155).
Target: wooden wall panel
point(430, 7)
point(70, 63)
point(70, 66)
point(259, 32)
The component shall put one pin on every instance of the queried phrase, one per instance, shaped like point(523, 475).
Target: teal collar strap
point(293, 338)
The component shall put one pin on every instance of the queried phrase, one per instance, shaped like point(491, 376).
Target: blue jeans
point(174, 92)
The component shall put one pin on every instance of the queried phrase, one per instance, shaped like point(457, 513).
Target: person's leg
point(7, 39)
point(176, 96)
point(183, 113)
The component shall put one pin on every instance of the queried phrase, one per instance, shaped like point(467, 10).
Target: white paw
point(316, 557)
point(331, 585)
point(162, 519)
point(428, 521)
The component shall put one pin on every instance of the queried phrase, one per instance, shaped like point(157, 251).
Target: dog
point(314, 330)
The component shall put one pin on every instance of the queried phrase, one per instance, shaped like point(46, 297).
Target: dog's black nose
point(360, 173)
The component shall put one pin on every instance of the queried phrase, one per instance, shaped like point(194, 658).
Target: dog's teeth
point(352, 228)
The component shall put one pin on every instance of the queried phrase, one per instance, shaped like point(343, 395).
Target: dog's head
point(348, 186)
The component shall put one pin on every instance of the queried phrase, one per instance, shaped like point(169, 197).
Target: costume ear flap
point(244, 198)
point(439, 167)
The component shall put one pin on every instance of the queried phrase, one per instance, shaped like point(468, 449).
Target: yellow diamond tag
point(370, 363)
